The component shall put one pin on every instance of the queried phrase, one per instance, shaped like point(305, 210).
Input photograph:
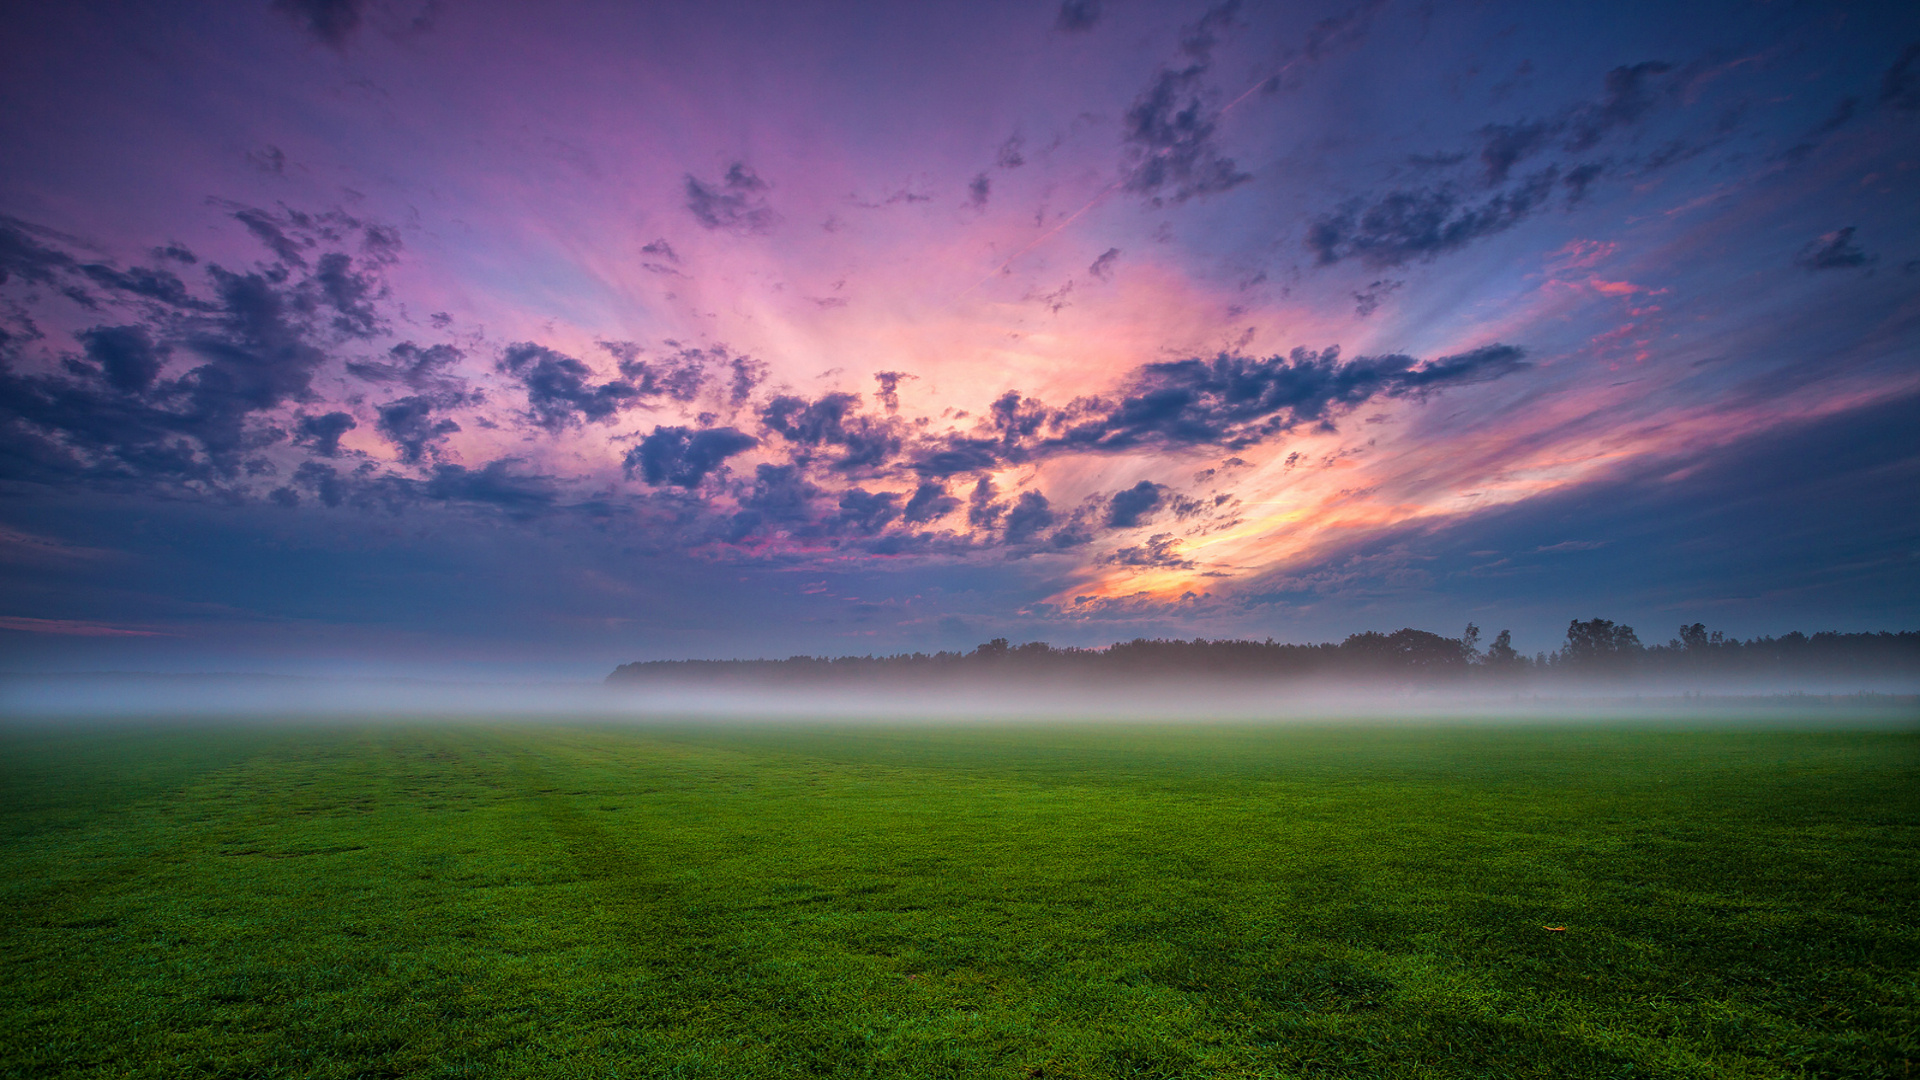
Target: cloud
point(409, 424)
point(333, 23)
point(890, 388)
point(1625, 99)
point(1900, 86)
point(683, 457)
point(323, 432)
point(833, 420)
point(1419, 223)
point(734, 203)
point(867, 512)
point(1077, 16)
point(493, 484)
point(1134, 505)
point(126, 354)
point(350, 294)
point(1367, 301)
point(930, 502)
point(977, 191)
point(1161, 551)
point(1102, 267)
point(1030, 515)
point(559, 394)
point(423, 368)
point(1168, 132)
point(1404, 226)
point(1009, 155)
point(1832, 251)
point(1236, 401)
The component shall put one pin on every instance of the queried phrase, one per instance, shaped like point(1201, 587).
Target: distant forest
point(1595, 648)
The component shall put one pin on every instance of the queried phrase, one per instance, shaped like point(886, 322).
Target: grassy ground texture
point(994, 901)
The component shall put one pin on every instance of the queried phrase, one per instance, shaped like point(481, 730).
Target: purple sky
point(456, 336)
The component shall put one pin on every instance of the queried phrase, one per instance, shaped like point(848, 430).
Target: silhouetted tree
point(1599, 643)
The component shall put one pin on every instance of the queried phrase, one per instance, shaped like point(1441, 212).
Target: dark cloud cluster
point(737, 202)
point(1412, 224)
point(181, 394)
point(1832, 251)
point(683, 457)
point(1169, 130)
point(331, 22)
point(1077, 16)
point(834, 420)
point(1900, 86)
point(1406, 226)
point(1160, 551)
point(213, 386)
point(560, 390)
point(1237, 401)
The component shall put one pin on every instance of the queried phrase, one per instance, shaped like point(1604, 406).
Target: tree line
point(1593, 648)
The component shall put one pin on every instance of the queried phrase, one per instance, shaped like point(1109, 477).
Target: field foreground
point(1233, 901)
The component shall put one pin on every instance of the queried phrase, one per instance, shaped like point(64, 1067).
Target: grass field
point(597, 901)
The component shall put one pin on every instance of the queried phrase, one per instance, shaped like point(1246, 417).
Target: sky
point(393, 336)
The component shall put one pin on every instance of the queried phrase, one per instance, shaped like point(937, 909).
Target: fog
point(66, 698)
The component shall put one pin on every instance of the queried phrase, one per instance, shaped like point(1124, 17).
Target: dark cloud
point(736, 202)
point(683, 457)
point(269, 159)
point(1161, 550)
point(890, 388)
point(1337, 32)
point(958, 455)
point(409, 424)
point(1413, 224)
point(1505, 145)
point(1900, 86)
point(1404, 226)
point(1077, 16)
point(1133, 506)
point(127, 356)
point(1030, 515)
point(867, 512)
point(781, 495)
point(683, 373)
point(1832, 251)
point(331, 22)
point(493, 484)
point(426, 369)
point(1169, 131)
point(746, 374)
point(930, 502)
point(256, 340)
point(1626, 98)
point(24, 257)
point(269, 232)
point(1009, 155)
point(350, 294)
point(559, 393)
point(1236, 401)
point(833, 420)
point(1102, 267)
point(983, 510)
point(1579, 179)
point(1367, 300)
point(323, 432)
point(977, 191)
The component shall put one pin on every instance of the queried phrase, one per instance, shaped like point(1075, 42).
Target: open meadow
point(729, 901)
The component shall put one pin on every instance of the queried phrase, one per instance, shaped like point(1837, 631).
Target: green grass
point(996, 901)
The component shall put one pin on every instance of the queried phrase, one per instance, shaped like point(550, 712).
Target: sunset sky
point(453, 336)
